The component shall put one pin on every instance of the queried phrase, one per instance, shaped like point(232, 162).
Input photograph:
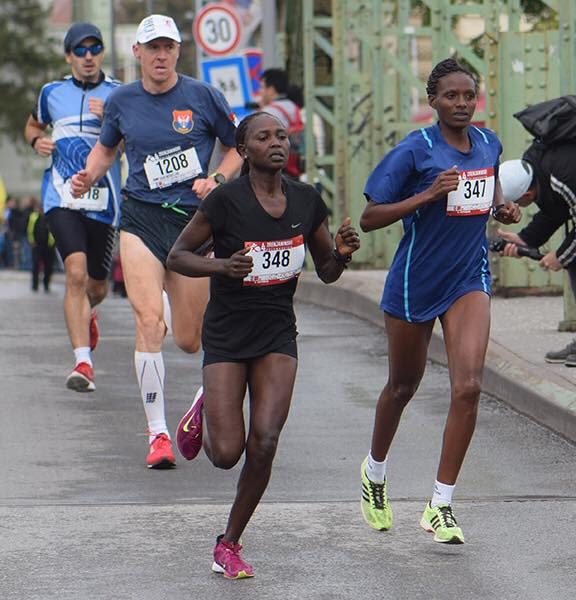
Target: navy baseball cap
point(78, 33)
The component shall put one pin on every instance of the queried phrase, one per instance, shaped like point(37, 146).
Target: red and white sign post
point(217, 29)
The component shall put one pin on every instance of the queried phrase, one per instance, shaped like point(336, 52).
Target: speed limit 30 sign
point(217, 29)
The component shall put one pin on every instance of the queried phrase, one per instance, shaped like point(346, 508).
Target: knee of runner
point(402, 393)
point(467, 391)
point(186, 344)
point(151, 325)
point(76, 276)
point(225, 459)
point(262, 448)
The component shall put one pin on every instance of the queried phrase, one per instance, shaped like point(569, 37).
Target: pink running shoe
point(228, 562)
point(189, 430)
point(94, 332)
point(81, 379)
point(161, 455)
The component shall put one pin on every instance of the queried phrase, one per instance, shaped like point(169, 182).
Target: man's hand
point(80, 183)
point(550, 261)
point(96, 107)
point(511, 249)
point(203, 186)
point(44, 146)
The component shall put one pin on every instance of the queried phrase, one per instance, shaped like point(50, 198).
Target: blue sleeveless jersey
point(191, 115)
point(441, 256)
point(64, 106)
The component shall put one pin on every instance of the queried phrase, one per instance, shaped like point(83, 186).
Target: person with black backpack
point(545, 175)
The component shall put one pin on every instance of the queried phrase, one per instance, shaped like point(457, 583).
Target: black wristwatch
point(218, 178)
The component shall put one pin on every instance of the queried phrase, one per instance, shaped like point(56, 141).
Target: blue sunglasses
point(82, 51)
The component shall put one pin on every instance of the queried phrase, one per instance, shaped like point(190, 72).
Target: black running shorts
point(75, 232)
point(290, 348)
point(157, 227)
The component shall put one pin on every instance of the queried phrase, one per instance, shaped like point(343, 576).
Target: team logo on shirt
point(182, 121)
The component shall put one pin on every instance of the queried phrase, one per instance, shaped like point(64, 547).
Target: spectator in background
point(545, 175)
point(279, 98)
point(43, 246)
point(25, 257)
point(6, 245)
point(17, 220)
point(284, 102)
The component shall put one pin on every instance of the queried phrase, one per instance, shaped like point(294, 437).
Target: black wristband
point(341, 259)
point(34, 140)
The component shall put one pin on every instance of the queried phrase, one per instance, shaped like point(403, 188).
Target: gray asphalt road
point(82, 518)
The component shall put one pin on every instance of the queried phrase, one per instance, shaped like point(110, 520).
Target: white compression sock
point(150, 374)
point(376, 471)
point(442, 493)
point(82, 354)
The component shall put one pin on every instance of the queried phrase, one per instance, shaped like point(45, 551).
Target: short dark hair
point(443, 68)
point(277, 79)
point(241, 132)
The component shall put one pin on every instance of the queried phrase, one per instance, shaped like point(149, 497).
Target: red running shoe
point(161, 455)
point(81, 379)
point(227, 560)
point(94, 333)
point(189, 430)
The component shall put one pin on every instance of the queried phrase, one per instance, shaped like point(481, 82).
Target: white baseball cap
point(157, 26)
point(515, 177)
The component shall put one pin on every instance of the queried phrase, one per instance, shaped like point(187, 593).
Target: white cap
point(515, 177)
point(157, 26)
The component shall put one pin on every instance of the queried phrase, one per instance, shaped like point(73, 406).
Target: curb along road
point(531, 389)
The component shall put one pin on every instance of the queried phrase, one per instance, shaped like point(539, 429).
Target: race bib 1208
point(165, 168)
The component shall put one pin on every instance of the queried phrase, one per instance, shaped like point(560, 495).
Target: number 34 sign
point(217, 29)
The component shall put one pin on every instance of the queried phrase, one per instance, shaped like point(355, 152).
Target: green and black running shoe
point(441, 521)
point(374, 503)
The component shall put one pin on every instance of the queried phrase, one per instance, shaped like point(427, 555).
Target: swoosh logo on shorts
point(297, 225)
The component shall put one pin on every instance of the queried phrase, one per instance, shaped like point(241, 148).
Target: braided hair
point(443, 68)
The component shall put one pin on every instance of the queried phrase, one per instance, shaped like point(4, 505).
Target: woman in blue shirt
point(442, 182)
